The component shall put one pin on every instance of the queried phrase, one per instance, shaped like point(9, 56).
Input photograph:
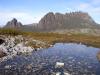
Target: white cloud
point(95, 2)
point(25, 18)
point(84, 5)
point(87, 7)
point(92, 8)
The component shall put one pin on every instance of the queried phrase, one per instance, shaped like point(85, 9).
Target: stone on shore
point(98, 56)
point(14, 45)
point(2, 54)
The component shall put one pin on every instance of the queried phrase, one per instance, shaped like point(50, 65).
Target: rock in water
point(98, 56)
point(59, 64)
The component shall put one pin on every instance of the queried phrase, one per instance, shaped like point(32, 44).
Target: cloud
point(25, 18)
point(89, 8)
point(84, 6)
point(95, 2)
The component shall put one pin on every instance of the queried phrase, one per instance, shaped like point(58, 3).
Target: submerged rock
point(59, 64)
point(7, 66)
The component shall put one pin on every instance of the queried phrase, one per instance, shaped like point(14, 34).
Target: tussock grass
point(52, 38)
point(9, 31)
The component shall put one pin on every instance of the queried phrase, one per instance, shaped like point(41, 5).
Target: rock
point(1, 41)
point(10, 47)
point(98, 56)
point(24, 50)
point(7, 66)
point(66, 73)
point(2, 54)
point(73, 20)
point(59, 64)
point(47, 22)
point(16, 45)
point(29, 67)
point(58, 73)
point(13, 24)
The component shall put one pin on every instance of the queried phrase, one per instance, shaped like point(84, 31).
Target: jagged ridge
point(58, 21)
point(13, 24)
point(72, 20)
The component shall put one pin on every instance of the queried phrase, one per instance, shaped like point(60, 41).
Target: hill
point(57, 22)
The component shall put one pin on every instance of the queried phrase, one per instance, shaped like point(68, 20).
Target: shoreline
point(30, 42)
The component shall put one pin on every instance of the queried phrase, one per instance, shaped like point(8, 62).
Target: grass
point(52, 38)
point(8, 31)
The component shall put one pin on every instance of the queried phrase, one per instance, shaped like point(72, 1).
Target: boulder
point(2, 54)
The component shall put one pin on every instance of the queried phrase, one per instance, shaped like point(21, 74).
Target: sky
point(31, 11)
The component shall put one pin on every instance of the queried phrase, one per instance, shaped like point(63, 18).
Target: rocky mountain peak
point(81, 15)
point(47, 21)
point(13, 24)
point(58, 21)
point(49, 14)
point(14, 20)
point(71, 20)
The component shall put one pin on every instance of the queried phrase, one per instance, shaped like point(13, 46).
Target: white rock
point(7, 66)
point(66, 73)
point(58, 73)
point(59, 64)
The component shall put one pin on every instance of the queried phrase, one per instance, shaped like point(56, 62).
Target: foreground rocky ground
point(15, 45)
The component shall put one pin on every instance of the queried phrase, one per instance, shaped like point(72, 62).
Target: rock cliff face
point(47, 22)
point(13, 24)
point(72, 20)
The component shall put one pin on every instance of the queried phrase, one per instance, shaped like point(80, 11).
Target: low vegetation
point(9, 31)
point(52, 38)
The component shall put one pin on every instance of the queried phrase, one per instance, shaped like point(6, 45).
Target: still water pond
point(78, 59)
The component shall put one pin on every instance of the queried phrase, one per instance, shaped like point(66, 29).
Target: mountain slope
point(72, 20)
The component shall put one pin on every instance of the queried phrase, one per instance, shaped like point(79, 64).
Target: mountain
point(13, 24)
point(30, 27)
point(68, 22)
point(18, 25)
point(72, 20)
